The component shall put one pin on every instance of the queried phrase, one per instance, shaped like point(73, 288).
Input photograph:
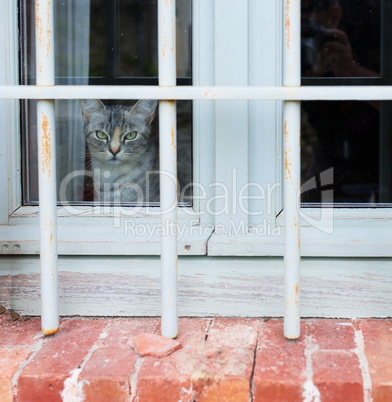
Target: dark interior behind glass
point(346, 42)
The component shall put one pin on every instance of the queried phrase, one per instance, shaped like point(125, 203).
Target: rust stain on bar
point(287, 24)
point(50, 331)
point(46, 145)
point(287, 162)
point(51, 237)
point(164, 47)
point(173, 136)
point(173, 48)
point(43, 36)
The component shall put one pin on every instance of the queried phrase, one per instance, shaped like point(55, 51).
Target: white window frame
point(356, 232)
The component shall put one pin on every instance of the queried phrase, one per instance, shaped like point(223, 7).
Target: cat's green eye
point(131, 136)
point(101, 135)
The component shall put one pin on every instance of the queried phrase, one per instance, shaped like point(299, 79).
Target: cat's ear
point(91, 107)
point(145, 108)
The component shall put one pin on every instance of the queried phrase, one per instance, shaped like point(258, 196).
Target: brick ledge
point(220, 359)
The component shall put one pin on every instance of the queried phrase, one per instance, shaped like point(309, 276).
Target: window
point(244, 201)
point(102, 43)
point(346, 43)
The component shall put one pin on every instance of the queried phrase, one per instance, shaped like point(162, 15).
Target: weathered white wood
point(342, 232)
point(373, 239)
point(207, 286)
point(203, 134)
point(265, 48)
point(355, 232)
point(231, 117)
point(74, 213)
point(130, 239)
point(84, 230)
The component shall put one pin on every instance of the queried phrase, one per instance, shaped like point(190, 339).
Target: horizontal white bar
point(200, 93)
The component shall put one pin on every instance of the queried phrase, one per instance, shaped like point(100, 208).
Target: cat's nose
point(115, 151)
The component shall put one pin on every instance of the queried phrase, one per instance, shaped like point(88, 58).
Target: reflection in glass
point(340, 38)
point(347, 43)
point(99, 42)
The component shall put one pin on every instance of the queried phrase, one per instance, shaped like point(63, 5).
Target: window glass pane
point(346, 43)
point(340, 38)
point(100, 42)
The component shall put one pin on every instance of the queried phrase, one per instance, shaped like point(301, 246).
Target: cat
point(123, 151)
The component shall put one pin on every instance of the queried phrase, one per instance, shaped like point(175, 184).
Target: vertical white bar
point(292, 168)
point(47, 168)
point(167, 43)
point(168, 167)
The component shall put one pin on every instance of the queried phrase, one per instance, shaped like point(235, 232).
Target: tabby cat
point(123, 151)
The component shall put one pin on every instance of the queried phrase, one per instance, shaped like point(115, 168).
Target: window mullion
point(231, 117)
point(9, 116)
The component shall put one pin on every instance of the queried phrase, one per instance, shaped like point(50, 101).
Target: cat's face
point(117, 135)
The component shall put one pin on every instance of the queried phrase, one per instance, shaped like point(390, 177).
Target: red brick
point(6, 390)
point(43, 378)
point(337, 376)
point(233, 333)
point(224, 375)
point(10, 361)
point(121, 330)
point(280, 368)
point(106, 375)
point(378, 348)
point(331, 334)
point(169, 378)
point(225, 370)
point(154, 345)
point(20, 333)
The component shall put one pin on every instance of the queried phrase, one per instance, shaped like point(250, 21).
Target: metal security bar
point(292, 167)
point(360, 92)
point(168, 167)
point(47, 169)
